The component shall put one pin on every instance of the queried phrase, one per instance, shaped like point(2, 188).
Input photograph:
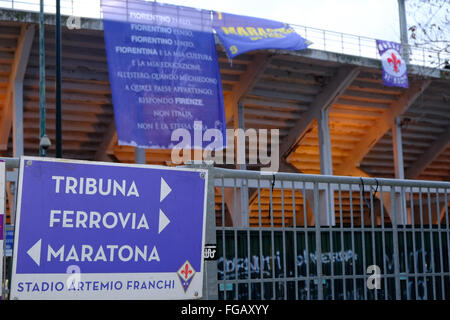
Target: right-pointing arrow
point(165, 190)
point(163, 221)
point(35, 252)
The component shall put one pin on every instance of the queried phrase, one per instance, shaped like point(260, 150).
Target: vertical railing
point(287, 253)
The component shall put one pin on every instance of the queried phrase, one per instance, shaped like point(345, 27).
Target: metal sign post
point(2, 228)
point(44, 143)
point(58, 80)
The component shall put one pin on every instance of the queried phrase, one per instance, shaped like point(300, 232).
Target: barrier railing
point(328, 237)
point(322, 39)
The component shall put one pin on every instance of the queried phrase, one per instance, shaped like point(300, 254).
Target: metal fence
point(327, 237)
point(322, 39)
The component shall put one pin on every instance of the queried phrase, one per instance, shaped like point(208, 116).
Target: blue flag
point(240, 34)
point(163, 70)
point(395, 73)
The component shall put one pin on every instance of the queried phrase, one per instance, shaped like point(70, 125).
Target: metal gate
point(296, 236)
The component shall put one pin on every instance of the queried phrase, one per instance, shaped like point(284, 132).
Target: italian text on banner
point(163, 70)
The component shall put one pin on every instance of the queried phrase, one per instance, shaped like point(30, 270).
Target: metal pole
point(398, 149)
point(318, 236)
point(210, 282)
point(42, 150)
point(139, 156)
point(403, 29)
point(210, 287)
point(240, 149)
point(396, 246)
point(399, 170)
point(58, 81)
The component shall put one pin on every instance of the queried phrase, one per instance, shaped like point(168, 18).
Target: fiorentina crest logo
point(186, 274)
point(394, 66)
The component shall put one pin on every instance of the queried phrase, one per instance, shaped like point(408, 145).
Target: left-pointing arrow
point(35, 252)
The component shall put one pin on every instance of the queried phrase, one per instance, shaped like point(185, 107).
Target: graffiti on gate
point(294, 260)
point(266, 266)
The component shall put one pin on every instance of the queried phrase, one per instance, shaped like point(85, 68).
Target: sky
point(369, 18)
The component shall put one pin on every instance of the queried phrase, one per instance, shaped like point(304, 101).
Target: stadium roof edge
point(12, 15)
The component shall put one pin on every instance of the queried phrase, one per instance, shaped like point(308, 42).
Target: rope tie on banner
point(374, 192)
point(271, 192)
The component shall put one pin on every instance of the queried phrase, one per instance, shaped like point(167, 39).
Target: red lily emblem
point(186, 271)
point(395, 62)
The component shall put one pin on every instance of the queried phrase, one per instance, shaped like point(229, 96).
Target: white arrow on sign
point(163, 221)
point(165, 190)
point(35, 252)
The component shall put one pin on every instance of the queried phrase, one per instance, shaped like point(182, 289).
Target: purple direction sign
point(105, 231)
